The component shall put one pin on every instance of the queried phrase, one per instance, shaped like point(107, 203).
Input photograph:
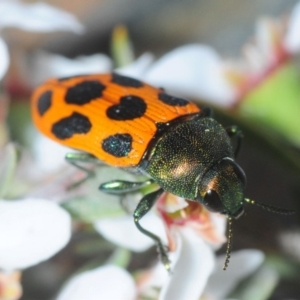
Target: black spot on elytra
point(171, 100)
point(129, 108)
point(126, 81)
point(44, 102)
point(84, 92)
point(74, 124)
point(118, 145)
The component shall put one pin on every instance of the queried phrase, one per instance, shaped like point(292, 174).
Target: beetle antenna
point(271, 208)
point(229, 244)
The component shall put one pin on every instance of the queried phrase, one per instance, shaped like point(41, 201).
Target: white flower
point(195, 260)
point(44, 65)
point(49, 156)
point(31, 231)
point(242, 264)
point(118, 229)
point(38, 17)
point(139, 67)
point(193, 71)
point(107, 283)
point(192, 235)
point(217, 287)
point(155, 283)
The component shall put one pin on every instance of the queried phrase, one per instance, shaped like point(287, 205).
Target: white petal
point(290, 242)
point(152, 281)
point(242, 264)
point(124, 233)
point(106, 283)
point(220, 224)
point(49, 155)
point(31, 231)
point(192, 269)
point(44, 65)
point(139, 67)
point(292, 38)
point(193, 71)
point(174, 203)
point(4, 58)
point(40, 17)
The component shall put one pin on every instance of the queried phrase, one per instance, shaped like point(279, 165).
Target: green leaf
point(275, 103)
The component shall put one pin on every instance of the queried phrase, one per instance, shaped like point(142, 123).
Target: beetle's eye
point(213, 202)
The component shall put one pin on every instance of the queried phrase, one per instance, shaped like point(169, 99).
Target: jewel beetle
point(129, 124)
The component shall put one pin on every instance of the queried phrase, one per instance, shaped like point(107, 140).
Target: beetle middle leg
point(122, 187)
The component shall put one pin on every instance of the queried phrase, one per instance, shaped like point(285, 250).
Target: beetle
point(129, 124)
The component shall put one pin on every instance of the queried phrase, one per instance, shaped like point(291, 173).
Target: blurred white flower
point(49, 156)
point(107, 282)
point(44, 65)
point(31, 231)
point(242, 264)
point(38, 17)
point(192, 71)
point(117, 230)
point(193, 259)
point(139, 67)
point(155, 282)
point(217, 287)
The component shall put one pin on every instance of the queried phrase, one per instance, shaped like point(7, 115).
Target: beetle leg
point(82, 157)
point(234, 131)
point(143, 207)
point(122, 187)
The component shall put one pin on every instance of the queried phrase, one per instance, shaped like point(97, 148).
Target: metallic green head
point(221, 188)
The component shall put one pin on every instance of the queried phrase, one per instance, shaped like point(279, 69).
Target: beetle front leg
point(116, 187)
point(122, 187)
point(143, 207)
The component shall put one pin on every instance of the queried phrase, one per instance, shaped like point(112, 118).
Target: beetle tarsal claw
point(163, 255)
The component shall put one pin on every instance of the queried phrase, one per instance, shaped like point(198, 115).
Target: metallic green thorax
point(185, 161)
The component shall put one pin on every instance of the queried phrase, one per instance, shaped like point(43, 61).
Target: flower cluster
point(33, 228)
